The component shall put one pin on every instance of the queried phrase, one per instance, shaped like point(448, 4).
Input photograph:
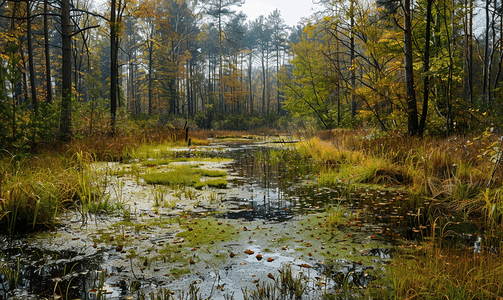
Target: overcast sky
point(291, 10)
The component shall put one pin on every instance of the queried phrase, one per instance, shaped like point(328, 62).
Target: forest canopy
point(69, 69)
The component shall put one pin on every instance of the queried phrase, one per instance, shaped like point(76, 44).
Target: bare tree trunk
point(413, 126)
point(352, 67)
point(47, 56)
point(150, 62)
point(426, 80)
point(485, 73)
point(30, 59)
point(113, 67)
point(66, 100)
point(250, 82)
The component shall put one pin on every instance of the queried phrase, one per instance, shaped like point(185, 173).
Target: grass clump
point(179, 176)
point(215, 183)
point(434, 273)
point(34, 190)
point(185, 176)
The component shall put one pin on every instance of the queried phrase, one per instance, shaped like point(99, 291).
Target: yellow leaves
point(327, 19)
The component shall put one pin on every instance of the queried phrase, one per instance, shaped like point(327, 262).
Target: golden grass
point(433, 273)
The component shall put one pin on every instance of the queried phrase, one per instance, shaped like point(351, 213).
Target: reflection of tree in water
point(268, 200)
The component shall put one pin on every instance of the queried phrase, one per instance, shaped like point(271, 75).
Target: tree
point(307, 90)
point(220, 10)
point(278, 44)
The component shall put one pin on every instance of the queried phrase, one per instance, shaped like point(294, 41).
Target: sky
point(291, 10)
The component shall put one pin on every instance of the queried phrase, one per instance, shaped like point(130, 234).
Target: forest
point(175, 149)
point(429, 67)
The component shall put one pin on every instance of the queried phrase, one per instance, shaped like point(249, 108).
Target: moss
point(176, 177)
point(178, 272)
point(201, 232)
point(167, 161)
point(182, 176)
point(217, 183)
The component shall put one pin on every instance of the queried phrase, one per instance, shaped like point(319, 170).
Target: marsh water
point(271, 216)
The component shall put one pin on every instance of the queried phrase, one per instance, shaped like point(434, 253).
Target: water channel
point(271, 217)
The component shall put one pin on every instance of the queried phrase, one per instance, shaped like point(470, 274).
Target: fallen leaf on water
point(259, 256)
point(305, 266)
point(270, 276)
point(270, 259)
point(232, 254)
point(192, 262)
point(249, 252)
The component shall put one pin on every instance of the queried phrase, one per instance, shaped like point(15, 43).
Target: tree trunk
point(221, 95)
point(426, 80)
point(66, 99)
point(150, 62)
point(250, 83)
point(485, 73)
point(413, 126)
point(30, 59)
point(353, 63)
point(113, 68)
point(47, 56)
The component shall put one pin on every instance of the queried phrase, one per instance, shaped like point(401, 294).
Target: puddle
point(222, 241)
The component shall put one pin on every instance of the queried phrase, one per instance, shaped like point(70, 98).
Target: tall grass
point(34, 190)
point(453, 172)
point(435, 273)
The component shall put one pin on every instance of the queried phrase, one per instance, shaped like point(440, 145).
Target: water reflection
point(263, 181)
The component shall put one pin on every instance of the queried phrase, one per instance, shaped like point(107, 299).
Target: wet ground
point(220, 243)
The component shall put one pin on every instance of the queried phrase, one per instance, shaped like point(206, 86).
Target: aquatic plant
point(9, 272)
point(286, 287)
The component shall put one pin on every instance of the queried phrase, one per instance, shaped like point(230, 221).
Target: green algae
point(208, 233)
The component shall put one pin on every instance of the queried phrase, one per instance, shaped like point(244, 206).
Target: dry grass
point(433, 273)
point(458, 173)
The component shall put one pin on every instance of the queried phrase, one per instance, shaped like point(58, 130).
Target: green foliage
point(307, 90)
point(20, 127)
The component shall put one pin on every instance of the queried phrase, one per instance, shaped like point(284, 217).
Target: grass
point(458, 179)
point(434, 273)
point(34, 190)
point(186, 176)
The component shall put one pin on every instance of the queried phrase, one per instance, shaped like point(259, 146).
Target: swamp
point(327, 216)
